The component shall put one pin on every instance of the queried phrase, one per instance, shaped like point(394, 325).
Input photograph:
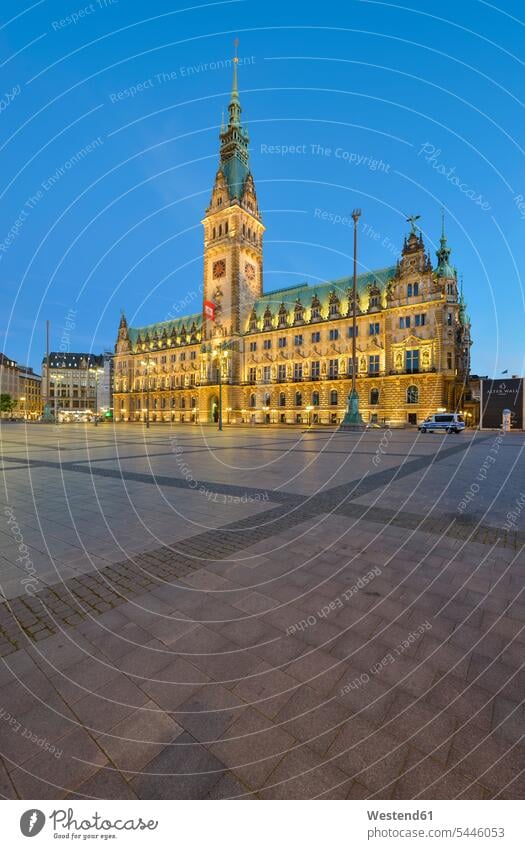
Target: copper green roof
point(173, 328)
point(305, 292)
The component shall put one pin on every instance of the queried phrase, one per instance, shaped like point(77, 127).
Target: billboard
point(498, 395)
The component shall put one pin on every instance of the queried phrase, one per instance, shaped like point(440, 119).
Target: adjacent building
point(71, 383)
point(286, 356)
point(23, 386)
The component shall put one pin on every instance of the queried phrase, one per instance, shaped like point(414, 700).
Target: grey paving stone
point(46, 777)
point(208, 713)
point(302, 774)
point(138, 738)
point(183, 771)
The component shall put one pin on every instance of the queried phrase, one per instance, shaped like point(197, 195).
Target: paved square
point(261, 613)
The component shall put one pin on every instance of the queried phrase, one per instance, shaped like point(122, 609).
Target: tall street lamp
point(352, 418)
point(96, 371)
point(147, 364)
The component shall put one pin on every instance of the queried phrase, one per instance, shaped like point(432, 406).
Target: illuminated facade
point(285, 356)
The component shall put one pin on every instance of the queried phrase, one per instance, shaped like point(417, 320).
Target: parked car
point(449, 422)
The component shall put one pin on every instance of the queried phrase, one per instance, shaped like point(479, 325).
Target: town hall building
point(285, 356)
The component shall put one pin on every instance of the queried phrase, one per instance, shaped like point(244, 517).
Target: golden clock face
point(219, 269)
point(249, 270)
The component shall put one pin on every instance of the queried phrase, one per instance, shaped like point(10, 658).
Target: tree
point(7, 404)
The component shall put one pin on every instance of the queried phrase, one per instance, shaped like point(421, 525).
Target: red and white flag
point(209, 310)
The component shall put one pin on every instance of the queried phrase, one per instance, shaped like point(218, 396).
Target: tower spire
point(234, 142)
point(444, 269)
point(235, 106)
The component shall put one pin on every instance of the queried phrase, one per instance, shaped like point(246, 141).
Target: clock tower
point(233, 231)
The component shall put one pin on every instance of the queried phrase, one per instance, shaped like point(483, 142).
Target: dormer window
point(219, 200)
point(412, 290)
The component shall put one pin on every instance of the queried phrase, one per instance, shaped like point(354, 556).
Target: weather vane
point(412, 221)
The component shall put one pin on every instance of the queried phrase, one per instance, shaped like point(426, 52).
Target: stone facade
point(285, 356)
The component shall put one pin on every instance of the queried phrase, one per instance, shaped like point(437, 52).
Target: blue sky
point(109, 117)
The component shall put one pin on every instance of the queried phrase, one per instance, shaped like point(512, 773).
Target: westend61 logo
point(32, 822)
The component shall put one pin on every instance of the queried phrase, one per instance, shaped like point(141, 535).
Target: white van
point(449, 422)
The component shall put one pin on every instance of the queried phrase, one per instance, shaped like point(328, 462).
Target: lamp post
point(352, 417)
point(95, 371)
point(147, 364)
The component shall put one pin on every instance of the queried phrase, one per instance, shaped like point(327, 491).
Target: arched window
point(374, 396)
point(282, 399)
point(266, 402)
point(333, 398)
point(220, 229)
point(412, 395)
point(298, 399)
point(315, 399)
point(214, 233)
point(252, 400)
point(226, 228)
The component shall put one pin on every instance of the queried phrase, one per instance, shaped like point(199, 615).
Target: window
point(193, 355)
point(412, 361)
point(421, 319)
point(412, 290)
point(412, 395)
point(333, 368)
point(333, 334)
point(266, 374)
point(298, 371)
point(316, 336)
point(450, 319)
point(315, 313)
point(282, 341)
point(315, 369)
point(449, 359)
point(267, 344)
point(404, 321)
point(315, 399)
point(373, 364)
point(333, 398)
point(281, 373)
point(298, 399)
point(253, 346)
point(298, 339)
point(373, 329)
point(282, 399)
point(252, 375)
point(351, 331)
point(374, 397)
point(374, 301)
point(252, 400)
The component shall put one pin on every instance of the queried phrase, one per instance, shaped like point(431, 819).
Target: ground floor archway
point(214, 409)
